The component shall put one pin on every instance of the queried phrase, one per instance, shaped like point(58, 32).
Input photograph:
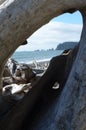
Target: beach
point(35, 56)
point(37, 60)
point(41, 65)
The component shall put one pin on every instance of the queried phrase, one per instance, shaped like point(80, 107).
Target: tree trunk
point(18, 20)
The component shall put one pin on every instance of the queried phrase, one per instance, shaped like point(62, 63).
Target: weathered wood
point(2, 1)
point(18, 20)
point(41, 95)
point(69, 112)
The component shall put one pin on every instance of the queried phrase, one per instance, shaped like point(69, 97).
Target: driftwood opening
point(67, 112)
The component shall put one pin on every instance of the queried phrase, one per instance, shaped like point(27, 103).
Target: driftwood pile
point(41, 95)
point(17, 78)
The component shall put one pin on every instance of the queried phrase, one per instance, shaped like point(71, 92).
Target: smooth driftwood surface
point(2, 1)
point(18, 20)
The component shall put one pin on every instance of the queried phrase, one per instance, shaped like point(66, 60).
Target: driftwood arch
point(18, 20)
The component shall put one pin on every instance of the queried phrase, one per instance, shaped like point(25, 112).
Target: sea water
point(30, 56)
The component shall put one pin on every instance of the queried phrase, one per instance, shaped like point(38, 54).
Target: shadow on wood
point(32, 107)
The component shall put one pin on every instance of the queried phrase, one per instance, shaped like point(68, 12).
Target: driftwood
point(19, 20)
point(41, 95)
point(17, 24)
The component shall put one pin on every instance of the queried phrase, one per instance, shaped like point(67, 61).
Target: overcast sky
point(64, 28)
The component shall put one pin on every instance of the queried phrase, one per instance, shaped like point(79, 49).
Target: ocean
point(30, 56)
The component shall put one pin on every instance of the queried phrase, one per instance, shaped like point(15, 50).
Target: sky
point(66, 27)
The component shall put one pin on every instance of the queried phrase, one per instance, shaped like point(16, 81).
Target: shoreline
point(41, 65)
point(37, 61)
point(29, 57)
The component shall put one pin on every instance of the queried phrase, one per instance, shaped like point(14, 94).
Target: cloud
point(51, 34)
